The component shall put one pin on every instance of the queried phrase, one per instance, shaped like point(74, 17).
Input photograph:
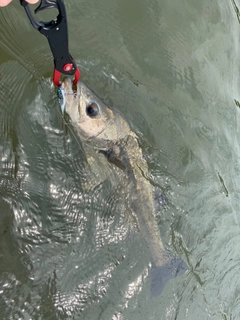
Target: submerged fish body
point(107, 136)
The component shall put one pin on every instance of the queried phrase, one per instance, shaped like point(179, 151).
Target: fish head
point(90, 116)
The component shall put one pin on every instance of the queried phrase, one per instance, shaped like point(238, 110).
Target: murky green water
point(172, 69)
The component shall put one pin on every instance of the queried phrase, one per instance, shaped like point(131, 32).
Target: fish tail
point(160, 275)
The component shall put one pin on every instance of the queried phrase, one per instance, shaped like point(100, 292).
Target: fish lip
point(66, 93)
point(67, 86)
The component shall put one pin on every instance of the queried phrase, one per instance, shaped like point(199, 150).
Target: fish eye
point(92, 110)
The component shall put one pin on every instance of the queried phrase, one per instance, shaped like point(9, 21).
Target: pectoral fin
point(112, 158)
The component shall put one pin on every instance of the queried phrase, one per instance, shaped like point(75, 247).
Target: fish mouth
point(65, 92)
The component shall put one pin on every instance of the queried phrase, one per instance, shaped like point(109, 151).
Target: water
point(66, 252)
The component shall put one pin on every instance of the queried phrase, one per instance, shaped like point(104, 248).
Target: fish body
point(112, 148)
point(107, 136)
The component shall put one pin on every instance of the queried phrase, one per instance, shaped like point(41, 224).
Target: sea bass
point(107, 136)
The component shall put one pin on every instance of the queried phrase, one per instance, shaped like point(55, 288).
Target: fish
point(112, 148)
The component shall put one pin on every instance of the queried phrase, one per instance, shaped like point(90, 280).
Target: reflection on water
point(71, 252)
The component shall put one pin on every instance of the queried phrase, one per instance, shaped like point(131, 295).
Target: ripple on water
point(74, 242)
point(70, 250)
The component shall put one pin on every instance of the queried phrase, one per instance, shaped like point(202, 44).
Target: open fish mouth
point(61, 99)
point(63, 92)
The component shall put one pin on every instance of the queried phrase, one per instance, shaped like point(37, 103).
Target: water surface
point(68, 252)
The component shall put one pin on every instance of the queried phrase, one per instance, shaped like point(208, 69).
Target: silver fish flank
point(107, 136)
